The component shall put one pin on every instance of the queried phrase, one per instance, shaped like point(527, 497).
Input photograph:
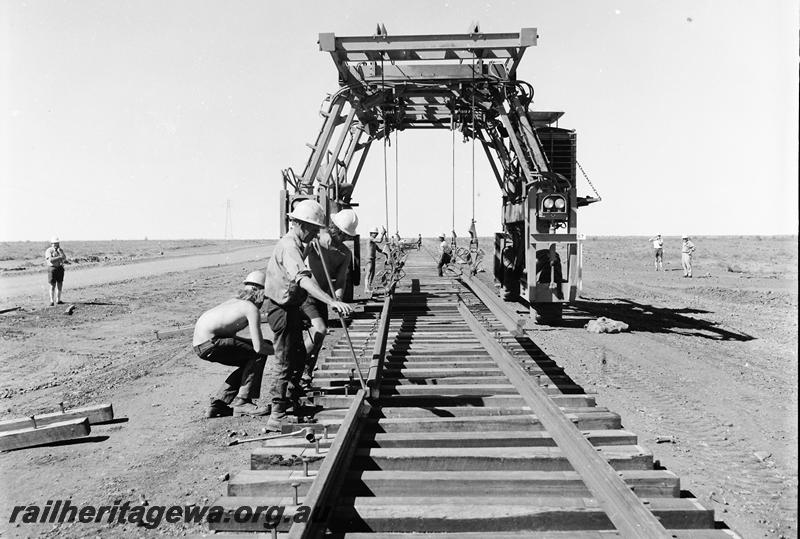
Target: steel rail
point(333, 468)
point(624, 508)
point(514, 324)
point(379, 349)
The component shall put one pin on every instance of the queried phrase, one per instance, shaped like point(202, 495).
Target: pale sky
point(133, 119)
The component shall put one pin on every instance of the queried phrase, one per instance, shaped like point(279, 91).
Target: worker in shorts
point(215, 339)
point(337, 260)
point(658, 248)
point(445, 254)
point(687, 250)
point(289, 282)
point(55, 258)
point(374, 244)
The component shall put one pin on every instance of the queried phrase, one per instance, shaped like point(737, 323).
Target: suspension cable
point(396, 187)
point(473, 137)
point(385, 170)
point(453, 189)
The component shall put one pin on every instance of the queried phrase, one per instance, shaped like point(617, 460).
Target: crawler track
point(467, 430)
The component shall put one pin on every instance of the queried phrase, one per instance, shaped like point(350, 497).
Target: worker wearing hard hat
point(687, 250)
point(289, 282)
point(445, 253)
point(215, 340)
point(337, 261)
point(54, 257)
point(374, 244)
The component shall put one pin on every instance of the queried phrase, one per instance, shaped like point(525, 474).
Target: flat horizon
point(587, 236)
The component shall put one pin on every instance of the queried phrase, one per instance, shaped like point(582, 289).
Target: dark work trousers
point(245, 381)
point(285, 368)
point(443, 261)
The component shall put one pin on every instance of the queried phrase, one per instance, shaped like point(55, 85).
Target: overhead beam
point(527, 37)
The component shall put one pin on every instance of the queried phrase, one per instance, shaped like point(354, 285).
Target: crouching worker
point(289, 283)
point(215, 340)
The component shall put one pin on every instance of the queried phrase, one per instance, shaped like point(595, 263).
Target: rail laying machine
point(465, 82)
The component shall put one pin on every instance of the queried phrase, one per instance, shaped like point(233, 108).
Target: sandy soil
point(711, 361)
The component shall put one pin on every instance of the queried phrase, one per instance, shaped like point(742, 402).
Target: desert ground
point(709, 364)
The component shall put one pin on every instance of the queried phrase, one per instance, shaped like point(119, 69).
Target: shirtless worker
point(215, 340)
point(373, 246)
point(289, 282)
point(337, 259)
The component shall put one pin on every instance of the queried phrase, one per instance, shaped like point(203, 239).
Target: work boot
point(218, 408)
point(279, 417)
point(247, 407)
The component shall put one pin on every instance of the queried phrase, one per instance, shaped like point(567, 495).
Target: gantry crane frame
point(466, 82)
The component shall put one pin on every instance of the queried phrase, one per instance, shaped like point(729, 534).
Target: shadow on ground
point(648, 318)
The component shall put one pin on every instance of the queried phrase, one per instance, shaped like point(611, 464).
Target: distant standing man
point(55, 258)
point(445, 254)
point(658, 248)
point(374, 244)
point(215, 340)
point(337, 260)
point(687, 250)
point(419, 242)
point(289, 282)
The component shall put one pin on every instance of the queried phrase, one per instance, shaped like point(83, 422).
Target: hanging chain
point(453, 190)
point(587, 179)
point(473, 137)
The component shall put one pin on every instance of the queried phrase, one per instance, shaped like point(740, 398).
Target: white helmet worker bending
point(346, 221)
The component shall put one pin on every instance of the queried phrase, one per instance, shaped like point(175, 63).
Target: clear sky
point(133, 119)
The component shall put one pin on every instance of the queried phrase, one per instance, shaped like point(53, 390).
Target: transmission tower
point(228, 221)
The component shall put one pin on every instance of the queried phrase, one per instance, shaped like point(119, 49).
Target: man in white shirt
point(658, 248)
point(54, 257)
point(687, 250)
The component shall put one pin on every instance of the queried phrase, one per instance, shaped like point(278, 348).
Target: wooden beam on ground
point(99, 413)
point(54, 432)
point(458, 484)
point(504, 514)
point(624, 509)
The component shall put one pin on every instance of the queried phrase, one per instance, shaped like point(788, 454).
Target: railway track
point(466, 429)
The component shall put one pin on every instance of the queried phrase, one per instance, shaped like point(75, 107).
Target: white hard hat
point(373, 230)
point(684, 237)
point(54, 239)
point(309, 212)
point(346, 221)
point(256, 278)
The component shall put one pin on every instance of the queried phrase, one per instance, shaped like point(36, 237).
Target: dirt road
point(711, 362)
point(14, 286)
